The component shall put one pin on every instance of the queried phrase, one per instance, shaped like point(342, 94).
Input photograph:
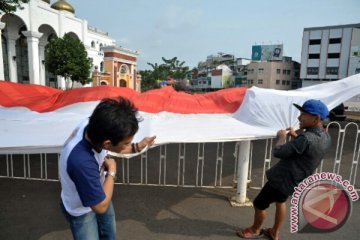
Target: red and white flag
point(39, 119)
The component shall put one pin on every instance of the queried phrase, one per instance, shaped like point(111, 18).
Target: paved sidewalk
point(30, 210)
point(352, 116)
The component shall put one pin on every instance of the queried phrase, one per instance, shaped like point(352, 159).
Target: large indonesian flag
point(39, 119)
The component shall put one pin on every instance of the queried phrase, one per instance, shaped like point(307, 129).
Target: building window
point(261, 70)
point(312, 70)
point(332, 70)
point(260, 81)
point(314, 41)
point(314, 56)
point(287, 82)
point(93, 44)
point(102, 67)
point(283, 82)
point(122, 83)
point(284, 71)
point(124, 69)
point(333, 55)
point(288, 72)
point(334, 40)
point(277, 82)
point(357, 70)
point(100, 46)
point(278, 71)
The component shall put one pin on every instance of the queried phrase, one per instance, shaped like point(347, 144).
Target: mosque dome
point(48, 1)
point(62, 5)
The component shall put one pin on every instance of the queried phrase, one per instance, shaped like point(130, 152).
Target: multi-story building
point(120, 64)
point(220, 71)
point(329, 53)
point(239, 78)
point(282, 75)
point(213, 61)
point(215, 79)
point(26, 33)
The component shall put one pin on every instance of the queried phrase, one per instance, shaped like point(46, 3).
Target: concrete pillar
point(12, 57)
point(2, 75)
point(61, 82)
point(132, 77)
point(33, 51)
point(42, 45)
point(240, 200)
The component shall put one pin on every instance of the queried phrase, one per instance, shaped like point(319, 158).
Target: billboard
point(267, 52)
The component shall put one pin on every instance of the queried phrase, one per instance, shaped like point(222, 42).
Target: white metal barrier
point(201, 164)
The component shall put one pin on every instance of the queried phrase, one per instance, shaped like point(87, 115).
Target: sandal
point(267, 233)
point(247, 234)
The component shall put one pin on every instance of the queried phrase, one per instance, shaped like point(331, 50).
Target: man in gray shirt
point(298, 159)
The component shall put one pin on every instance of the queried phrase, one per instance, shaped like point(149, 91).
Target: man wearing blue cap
point(298, 159)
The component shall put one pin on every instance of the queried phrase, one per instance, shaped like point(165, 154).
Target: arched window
point(100, 46)
point(124, 69)
point(51, 36)
point(93, 44)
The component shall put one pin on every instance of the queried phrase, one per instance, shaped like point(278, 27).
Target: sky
point(191, 30)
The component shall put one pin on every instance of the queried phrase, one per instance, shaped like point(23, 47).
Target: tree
point(68, 58)
point(148, 81)
point(171, 68)
point(9, 6)
point(176, 68)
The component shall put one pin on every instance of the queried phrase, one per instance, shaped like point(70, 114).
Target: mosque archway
point(22, 57)
point(73, 35)
point(47, 78)
point(14, 46)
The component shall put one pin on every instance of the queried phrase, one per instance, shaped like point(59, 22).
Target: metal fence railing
point(197, 164)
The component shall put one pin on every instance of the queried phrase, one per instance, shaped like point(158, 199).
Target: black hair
point(114, 120)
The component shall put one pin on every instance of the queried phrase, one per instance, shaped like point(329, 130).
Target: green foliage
point(148, 81)
point(176, 69)
point(171, 68)
point(9, 6)
point(68, 58)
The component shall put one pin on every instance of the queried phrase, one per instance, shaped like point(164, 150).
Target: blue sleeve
point(292, 148)
point(86, 178)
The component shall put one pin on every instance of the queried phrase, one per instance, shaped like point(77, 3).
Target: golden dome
point(48, 1)
point(62, 5)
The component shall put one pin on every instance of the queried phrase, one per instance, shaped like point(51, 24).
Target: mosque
point(26, 33)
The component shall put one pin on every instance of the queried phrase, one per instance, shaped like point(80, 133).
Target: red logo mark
point(326, 207)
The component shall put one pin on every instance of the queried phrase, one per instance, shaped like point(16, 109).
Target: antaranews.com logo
point(321, 203)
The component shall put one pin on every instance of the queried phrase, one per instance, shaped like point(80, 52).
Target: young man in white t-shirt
point(87, 176)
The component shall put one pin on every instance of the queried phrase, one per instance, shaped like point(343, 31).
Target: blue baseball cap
point(314, 107)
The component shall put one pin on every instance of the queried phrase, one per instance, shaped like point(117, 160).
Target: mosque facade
point(26, 33)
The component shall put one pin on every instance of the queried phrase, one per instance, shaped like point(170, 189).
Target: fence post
point(240, 200)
